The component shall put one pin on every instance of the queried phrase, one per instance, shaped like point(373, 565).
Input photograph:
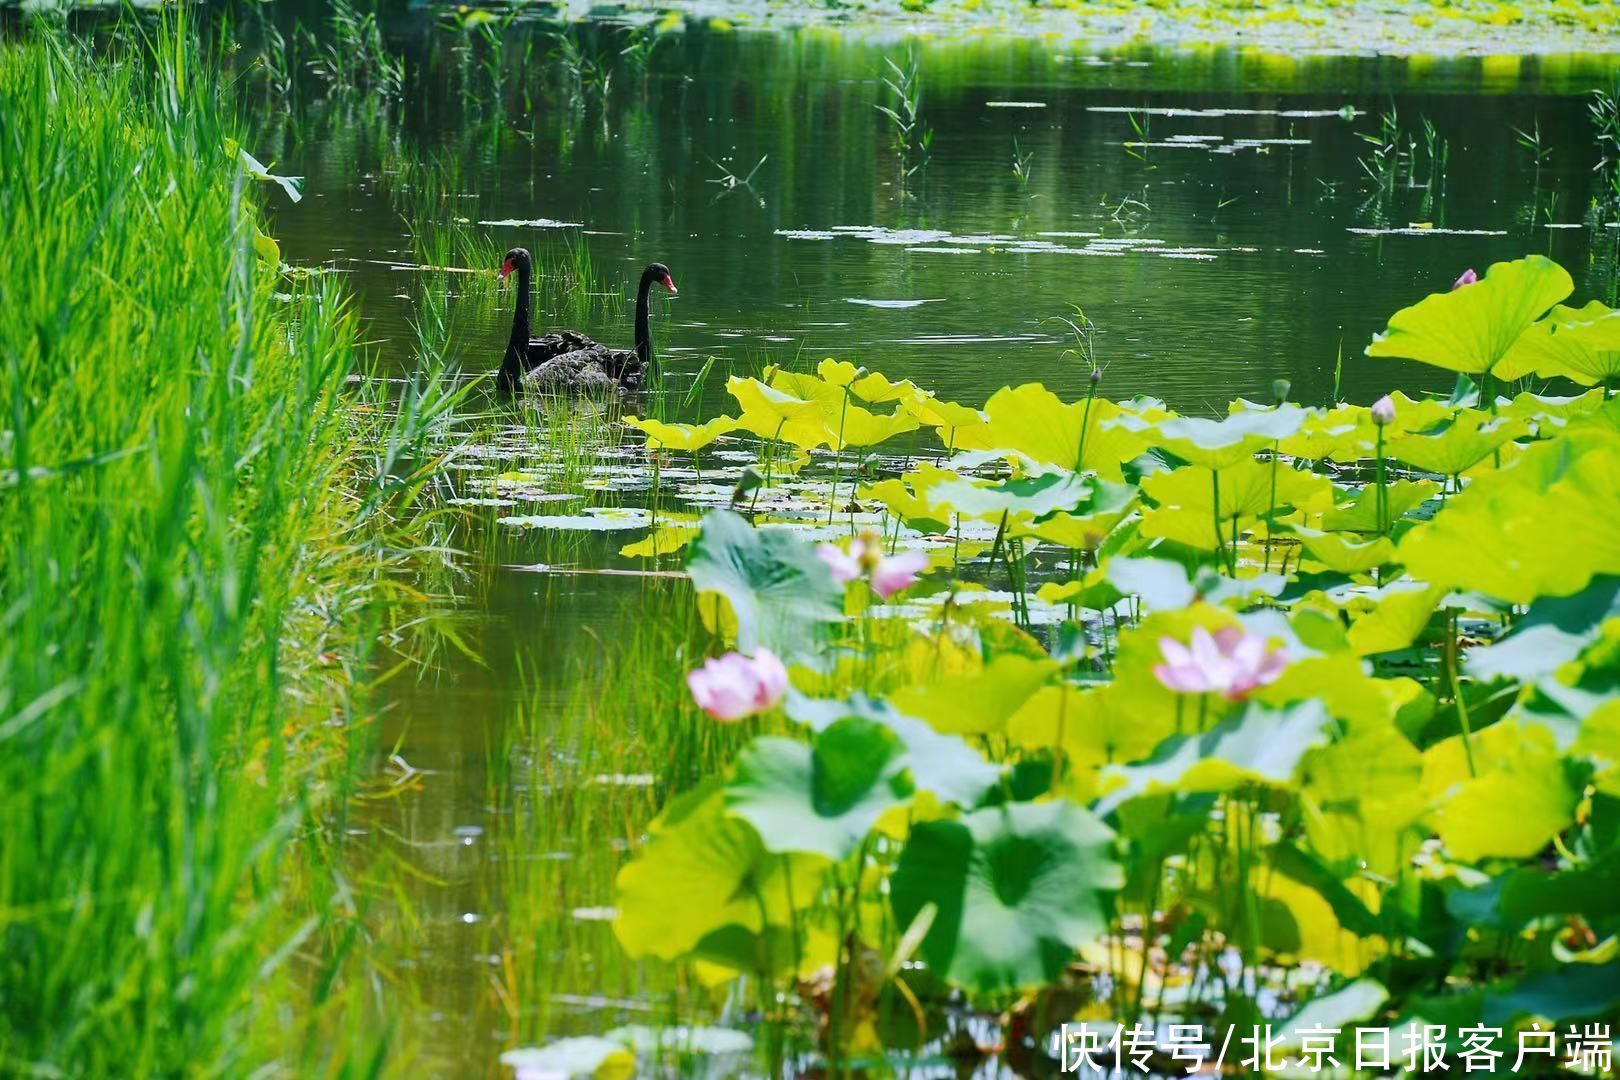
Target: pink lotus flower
point(1230, 662)
point(735, 686)
point(887, 574)
point(1383, 411)
point(1468, 277)
point(897, 572)
point(845, 566)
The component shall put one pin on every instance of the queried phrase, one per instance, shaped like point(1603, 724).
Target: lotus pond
point(1092, 570)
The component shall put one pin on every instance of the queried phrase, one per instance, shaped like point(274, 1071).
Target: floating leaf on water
point(893, 304)
point(592, 519)
point(683, 1039)
point(531, 223)
point(585, 1055)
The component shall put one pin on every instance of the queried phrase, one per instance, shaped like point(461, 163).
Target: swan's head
point(517, 258)
point(659, 273)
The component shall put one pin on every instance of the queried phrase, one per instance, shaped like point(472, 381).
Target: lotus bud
point(1383, 411)
point(1468, 278)
point(1279, 389)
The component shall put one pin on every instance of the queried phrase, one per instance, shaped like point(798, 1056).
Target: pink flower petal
point(845, 566)
point(896, 572)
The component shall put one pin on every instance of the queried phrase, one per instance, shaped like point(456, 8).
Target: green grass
point(187, 559)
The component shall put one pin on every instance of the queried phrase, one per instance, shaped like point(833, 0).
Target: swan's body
point(566, 361)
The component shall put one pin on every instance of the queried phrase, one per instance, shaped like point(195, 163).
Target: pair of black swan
point(567, 361)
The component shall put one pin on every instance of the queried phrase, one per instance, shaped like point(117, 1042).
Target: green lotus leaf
point(1032, 422)
point(1099, 513)
point(780, 592)
point(1263, 745)
point(1580, 344)
point(978, 702)
point(1216, 444)
point(943, 765)
point(1017, 888)
point(1360, 514)
point(1455, 447)
point(822, 798)
point(1472, 328)
point(1555, 631)
point(1550, 412)
point(1093, 591)
point(1543, 527)
point(1567, 992)
point(582, 1055)
point(718, 868)
point(1402, 614)
point(775, 414)
point(1527, 893)
point(685, 437)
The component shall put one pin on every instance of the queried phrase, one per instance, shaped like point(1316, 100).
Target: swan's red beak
point(506, 268)
point(669, 283)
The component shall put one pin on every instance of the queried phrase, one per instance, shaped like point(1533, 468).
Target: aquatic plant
point(1264, 795)
point(910, 136)
point(186, 581)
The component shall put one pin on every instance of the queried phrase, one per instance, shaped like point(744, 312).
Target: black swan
point(567, 361)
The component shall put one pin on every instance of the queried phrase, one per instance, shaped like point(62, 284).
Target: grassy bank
point(185, 577)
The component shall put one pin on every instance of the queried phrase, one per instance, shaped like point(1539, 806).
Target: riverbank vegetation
point(194, 550)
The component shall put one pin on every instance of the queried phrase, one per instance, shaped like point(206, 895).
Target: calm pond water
point(1245, 243)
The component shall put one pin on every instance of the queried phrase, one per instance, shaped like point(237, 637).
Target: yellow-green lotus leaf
point(946, 415)
point(875, 389)
point(1360, 514)
point(1471, 437)
point(1540, 527)
point(1548, 412)
point(1342, 554)
point(673, 533)
point(840, 373)
point(904, 503)
point(1297, 923)
point(718, 868)
point(775, 414)
point(1187, 497)
point(854, 426)
point(1032, 422)
point(1580, 344)
point(977, 703)
point(1399, 619)
point(1326, 435)
point(1094, 727)
point(689, 438)
point(1519, 800)
point(1217, 444)
point(1083, 532)
point(1471, 328)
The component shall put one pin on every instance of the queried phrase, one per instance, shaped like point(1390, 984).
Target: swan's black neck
point(644, 348)
point(514, 363)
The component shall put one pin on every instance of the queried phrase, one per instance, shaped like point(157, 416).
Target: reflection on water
point(1220, 215)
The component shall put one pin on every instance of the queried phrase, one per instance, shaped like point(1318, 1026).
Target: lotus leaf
point(1018, 889)
point(947, 415)
point(1552, 633)
point(1360, 514)
point(1402, 614)
point(668, 538)
point(914, 508)
point(1342, 554)
point(1343, 1008)
point(1541, 528)
point(1568, 992)
point(775, 414)
point(1581, 344)
point(721, 871)
point(1264, 745)
point(1035, 423)
point(979, 702)
point(689, 438)
point(1298, 922)
point(1512, 807)
point(1216, 444)
point(822, 798)
point(943, 765)
point(779, 591)
point(1455, 447)
point(1470, 329)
